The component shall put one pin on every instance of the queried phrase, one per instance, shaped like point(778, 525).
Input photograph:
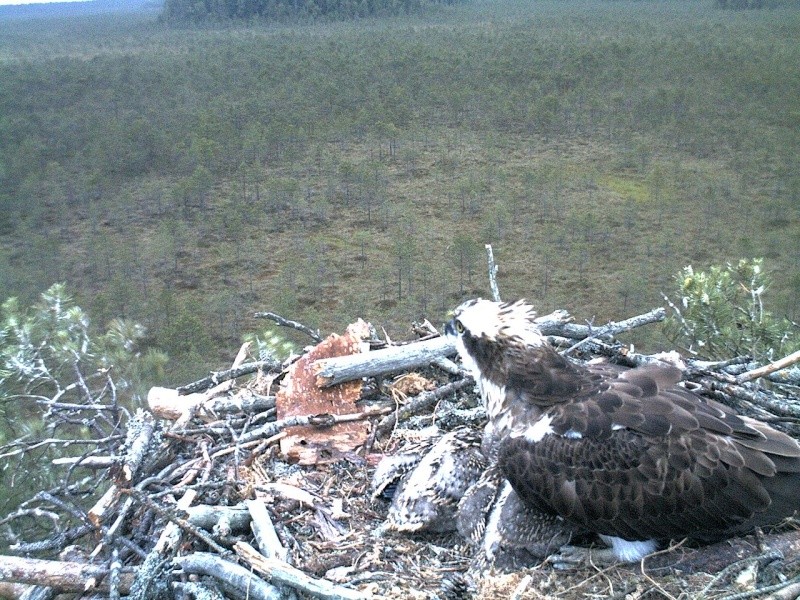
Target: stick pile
point(251, 483)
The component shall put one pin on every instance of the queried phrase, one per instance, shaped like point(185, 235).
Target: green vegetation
point(186, 177)
point(720, 314)
point(53, 359)
point(277, 10)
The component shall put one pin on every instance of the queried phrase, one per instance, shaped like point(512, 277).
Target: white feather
point(538, 430)
point(482, 319)
point(629, 551)
point(492, 536)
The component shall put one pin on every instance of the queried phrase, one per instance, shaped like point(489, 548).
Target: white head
point(492, 321)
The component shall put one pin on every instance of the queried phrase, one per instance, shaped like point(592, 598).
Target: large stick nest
point(254, 482)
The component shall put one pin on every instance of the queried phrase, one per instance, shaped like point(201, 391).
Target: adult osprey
point(626, 453)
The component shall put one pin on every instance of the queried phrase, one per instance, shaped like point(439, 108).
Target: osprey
point(626, 453)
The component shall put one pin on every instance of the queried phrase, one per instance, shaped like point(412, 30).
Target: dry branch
point(421, 354)
point(773, 367)
point(279, 572)
point(228, 573)
point(314, 335)
point(422, 402)
point(217, 377)
point(492, 273)
point(714, 558)
point(61, 575)
point(333, 371)
point(264, 531)
point(167, 403)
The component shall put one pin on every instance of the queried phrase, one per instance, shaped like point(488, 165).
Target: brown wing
point(542, 377)
point(635, 456)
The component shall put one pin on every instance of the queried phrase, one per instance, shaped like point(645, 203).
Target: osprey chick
point(626, 453)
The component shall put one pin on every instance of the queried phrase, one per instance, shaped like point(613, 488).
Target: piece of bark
point(280, 572)
point(231, 574)
point(61, 575)
point(300, 396)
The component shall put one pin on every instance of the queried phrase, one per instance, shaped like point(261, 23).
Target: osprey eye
point(459, 326)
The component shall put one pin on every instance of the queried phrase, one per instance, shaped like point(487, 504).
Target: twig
point(320, 421)
point(182, 523)
point(419, 403)
point(217, 377)
point(784, 362)
point(314, 335)
point(283, 573)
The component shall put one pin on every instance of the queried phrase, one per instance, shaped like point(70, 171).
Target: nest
point(255, 483)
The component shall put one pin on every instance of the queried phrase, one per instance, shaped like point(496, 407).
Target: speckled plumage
point(626, 453)
point(431, 482)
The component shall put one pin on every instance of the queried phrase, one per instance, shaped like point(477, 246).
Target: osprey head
point(484, 331)
point(494, 321)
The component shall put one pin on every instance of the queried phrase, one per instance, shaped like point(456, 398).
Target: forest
point(184, 176)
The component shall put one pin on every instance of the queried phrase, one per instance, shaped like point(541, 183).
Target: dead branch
point(279, 572)
point(169, 514)
point(333, 371)
point(140, 432)
point(208, 517)
point(321, 421)
point(715, 557)
point(492, 273)
point(771, 368)
point(90, 462)
point(171, 534)
point(264, 531)
point(228, 573)
point(314, 335)
point(60, 575)
point(167, 403)
point(417, 404)
point(217, 377)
